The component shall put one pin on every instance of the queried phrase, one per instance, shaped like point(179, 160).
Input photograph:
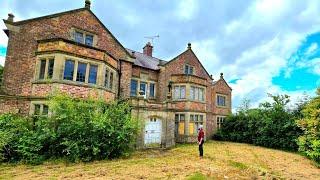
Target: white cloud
point(260, 43)
point(187, 9)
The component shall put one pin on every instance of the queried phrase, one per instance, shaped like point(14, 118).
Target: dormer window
point(188, 69)
point(83, 37)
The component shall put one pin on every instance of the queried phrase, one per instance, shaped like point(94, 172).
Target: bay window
point(46, 68)
point(196, 93)
point(79, 71)
point(108, 79)
point(179, 92)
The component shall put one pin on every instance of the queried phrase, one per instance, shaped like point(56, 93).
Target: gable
point(59, 25)
point(222, 85)
point(188, 57)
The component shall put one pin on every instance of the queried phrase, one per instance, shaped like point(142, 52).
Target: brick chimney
point(148, 49)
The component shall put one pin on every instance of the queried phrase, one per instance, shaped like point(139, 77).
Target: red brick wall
point(43, 90)
point(22, 45)
point(125, 79)
point(14, 105)
point(221, 87)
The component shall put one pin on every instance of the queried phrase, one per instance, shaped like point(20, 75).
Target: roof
point(221, 79)
point(64, 13)
point(189, 49)
point(146, 61)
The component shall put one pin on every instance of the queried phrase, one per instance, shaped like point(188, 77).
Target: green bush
point(270, 125)
point(309, 141)
point(78, 130)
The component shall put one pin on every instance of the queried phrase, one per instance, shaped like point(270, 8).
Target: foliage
point(1, 73)
point(309, 142)
point(78, 130)
point(270, 125)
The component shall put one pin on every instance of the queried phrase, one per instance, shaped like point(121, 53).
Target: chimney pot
point(87, 4)
point(10, 17)
point(147, 50)
point(189, 45)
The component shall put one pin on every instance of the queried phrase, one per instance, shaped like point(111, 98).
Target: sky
point(261, 46)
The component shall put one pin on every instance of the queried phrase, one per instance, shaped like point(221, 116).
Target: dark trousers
point(201, 148)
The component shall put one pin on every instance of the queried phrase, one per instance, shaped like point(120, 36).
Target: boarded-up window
point(179, 124)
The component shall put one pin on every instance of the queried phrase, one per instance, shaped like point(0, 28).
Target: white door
point(152, 131)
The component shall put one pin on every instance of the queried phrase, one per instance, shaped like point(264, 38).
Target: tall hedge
point(309, 141)
point(270, 125)
point(78, 130)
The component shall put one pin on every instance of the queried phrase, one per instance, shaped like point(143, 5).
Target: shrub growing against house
point(78, 130)
point(270, 125)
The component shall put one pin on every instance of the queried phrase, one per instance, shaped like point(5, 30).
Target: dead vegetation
point(223, 160)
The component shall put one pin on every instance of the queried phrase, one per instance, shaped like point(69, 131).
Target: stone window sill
point(73, 83)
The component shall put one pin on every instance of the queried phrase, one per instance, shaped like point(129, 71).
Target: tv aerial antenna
point(151, 38)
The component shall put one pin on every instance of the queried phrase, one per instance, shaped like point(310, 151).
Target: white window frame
point(179, 95)
point(225, 100)
point(219, 121)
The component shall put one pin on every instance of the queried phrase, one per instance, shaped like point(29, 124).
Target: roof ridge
point(144, 54)
point(46, 16)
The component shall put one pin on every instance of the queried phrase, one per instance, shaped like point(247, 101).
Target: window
point(108, 79)
point(46, 68)
point(83, 38)
point(81, 72)
point(179, 92)
point(152, 90)
point(78, 37)
point(41, 110)
point(143, 89)
point(220, 120)
point(50, 68)
point(85, 72)
point(68, 70)
point(221, 100)
point(197, 93)
point(195, 121)
point(188, 69)
point(37, 109)
point(111, 80)
point(133, 87)
point(89, 40)
point(93, 74)
point(179, 124)
point(42, 68)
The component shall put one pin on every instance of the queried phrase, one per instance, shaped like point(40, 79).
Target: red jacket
point(200, 135)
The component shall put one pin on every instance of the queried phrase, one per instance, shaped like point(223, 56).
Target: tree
point(1, 73)
point(309, 142)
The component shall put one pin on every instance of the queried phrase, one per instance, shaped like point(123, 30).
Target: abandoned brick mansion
point(73, 52)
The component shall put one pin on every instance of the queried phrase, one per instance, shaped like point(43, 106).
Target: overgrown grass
point(221, 160)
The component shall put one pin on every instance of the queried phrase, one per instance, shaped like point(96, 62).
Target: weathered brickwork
point(53, 36)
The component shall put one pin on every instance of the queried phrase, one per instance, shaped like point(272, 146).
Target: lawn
point(222, 160)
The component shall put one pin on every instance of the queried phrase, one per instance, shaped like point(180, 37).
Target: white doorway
point(153, 129)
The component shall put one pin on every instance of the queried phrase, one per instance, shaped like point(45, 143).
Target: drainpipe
point(119, 80)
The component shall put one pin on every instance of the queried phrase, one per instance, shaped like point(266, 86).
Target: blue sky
point(261, 46)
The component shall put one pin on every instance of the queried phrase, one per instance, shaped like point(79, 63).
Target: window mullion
point(46, 69)
point(75, 71)
point(87, 73)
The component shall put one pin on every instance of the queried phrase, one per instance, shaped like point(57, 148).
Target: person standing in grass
point(201, 140)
